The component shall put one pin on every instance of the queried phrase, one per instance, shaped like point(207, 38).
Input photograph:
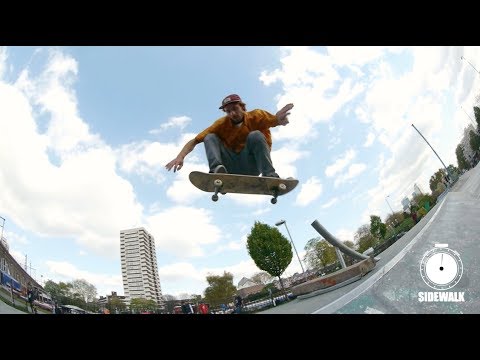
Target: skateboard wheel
point(282, 187)
point(215, 197)
point(217, 182)
point(273, 201)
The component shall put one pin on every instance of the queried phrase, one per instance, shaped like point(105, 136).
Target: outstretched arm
point(177, 163)
point(283, 113)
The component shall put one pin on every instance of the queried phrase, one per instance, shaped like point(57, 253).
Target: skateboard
point(242, 184)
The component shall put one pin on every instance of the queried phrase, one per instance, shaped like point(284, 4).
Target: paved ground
point(7, 309)
point(393, 286)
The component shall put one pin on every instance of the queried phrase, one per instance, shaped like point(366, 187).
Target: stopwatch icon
point(441, 268)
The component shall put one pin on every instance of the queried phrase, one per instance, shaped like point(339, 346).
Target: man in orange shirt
point(238, 143)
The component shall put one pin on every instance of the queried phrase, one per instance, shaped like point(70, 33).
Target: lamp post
point(463, 58)
point(448, 172)
point(473, 122)
point(393, 215)
point(281, 222)
point(386, 199)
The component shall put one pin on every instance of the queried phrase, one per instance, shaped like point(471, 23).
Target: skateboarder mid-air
point(238, 143)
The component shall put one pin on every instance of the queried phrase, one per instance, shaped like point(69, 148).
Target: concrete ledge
point(361, 268)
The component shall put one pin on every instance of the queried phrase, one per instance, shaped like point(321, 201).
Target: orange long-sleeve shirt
point(235, 137)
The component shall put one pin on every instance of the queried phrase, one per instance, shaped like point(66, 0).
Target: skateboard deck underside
point(243, 184)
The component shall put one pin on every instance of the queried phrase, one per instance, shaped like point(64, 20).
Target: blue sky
point(85, 133)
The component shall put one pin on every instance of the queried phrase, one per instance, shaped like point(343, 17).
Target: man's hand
point(283, 113)
point(176, 163)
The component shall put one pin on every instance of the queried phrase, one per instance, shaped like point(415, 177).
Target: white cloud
point(63, 271)
point(52, 92)
point(70, 199)
point(178, 271)
point(311, 82)
point(182, 191)
point(353, 171)
point(183, 231)
point(340, 163)
point(357, 55)
point(148, 159)
point(173, 122)
point(370, 140)
point(392, 102)
point(362, 114)
point(232, 245)
point(345, 235)
point(309, 191)
point(13, 238)
point(18, 256)
point(330, 203)
point(284, 159)
point(261, 211)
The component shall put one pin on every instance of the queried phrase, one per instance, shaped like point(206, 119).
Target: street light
point(448, 172)
point(463, 58)
point(386, 199)
point(281, 222)
point(393, 215)
point(473, 122)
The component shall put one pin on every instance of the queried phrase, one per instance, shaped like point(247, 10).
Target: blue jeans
point(254, 159)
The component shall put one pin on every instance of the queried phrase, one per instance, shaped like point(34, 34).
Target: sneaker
point(220, 169)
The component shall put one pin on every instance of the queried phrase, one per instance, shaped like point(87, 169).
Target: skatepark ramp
point(339, 278)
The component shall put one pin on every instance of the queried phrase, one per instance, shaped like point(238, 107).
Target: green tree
point(53, 289)
point(195, 298)
point(220, 289)
point(319, 253)
point(462, 162)
point(184, 296)
point(170, 302)
point(60, 292)
point(362, 231)
point(270, 250)
point(474, 141)
point(262, 277)
point(169, 297)
point(116, 304)
point(394, 219)
point(453, 171)
point(138, 305)
point(437, 178)
point(86, 290)
point(377, 228)
point(364, 238)
point(422, 199)
point(77, 300)
point(476, 111)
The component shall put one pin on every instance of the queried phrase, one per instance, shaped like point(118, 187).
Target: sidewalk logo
point(441, 269)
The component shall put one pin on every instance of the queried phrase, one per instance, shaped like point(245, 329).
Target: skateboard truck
point(275, 190)
point(218, 185)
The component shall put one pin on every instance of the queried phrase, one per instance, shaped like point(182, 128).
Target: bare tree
point(262, 277)
point(86, 290)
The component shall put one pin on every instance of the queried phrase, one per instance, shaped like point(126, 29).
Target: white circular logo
point(441, 268)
